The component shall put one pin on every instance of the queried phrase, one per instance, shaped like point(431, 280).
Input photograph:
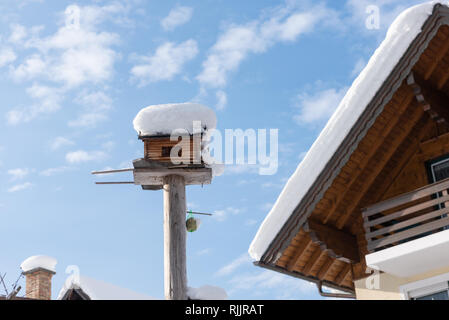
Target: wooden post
point(175, 271)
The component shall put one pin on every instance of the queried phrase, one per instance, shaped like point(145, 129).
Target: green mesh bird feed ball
point(191, 224)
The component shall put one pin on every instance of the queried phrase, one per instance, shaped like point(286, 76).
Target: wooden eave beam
point(402, 162)
point(340, 245)
point(433, 100)
point(405, 158)
point(317, 255)
point(325, 268)
point(298, 255)
point(414, 117)
point(343, 274)
point(372, 151)
point(441, 53)
point(442, 81)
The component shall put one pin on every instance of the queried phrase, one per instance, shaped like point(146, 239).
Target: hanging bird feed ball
point(191, 223)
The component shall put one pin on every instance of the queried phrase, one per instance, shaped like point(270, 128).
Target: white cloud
point(167, 61)
point(108, 146)
point(235, 264)
point(48, 101)
point(269, 282)
point(318, 106)
point(259, 283)
point(241, 169)
point(24, 3)
point(222, 215)
point(267, 206)
point(7, 56)
point(20, 187)
point(19, 173)
point(77, 54)
point(89, 63)
point(358, 67)
point(302, 155)
point(204, 252)
point(87, 120)
point(178, 16)
point(60, 142)
point(273, 184)
point(84, 156)
point(222, 99)
point(53, 171)
point(251, 222)
point(18, 33)
point(287, 147)
point(33, 66)
point(226, 55)
point(233, 46)
point(96, 107)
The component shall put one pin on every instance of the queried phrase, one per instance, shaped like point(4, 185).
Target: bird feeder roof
point(164, 119)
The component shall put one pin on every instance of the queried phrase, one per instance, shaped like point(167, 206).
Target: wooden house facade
point(384, 190)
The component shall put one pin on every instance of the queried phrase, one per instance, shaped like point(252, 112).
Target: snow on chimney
point(38, 271)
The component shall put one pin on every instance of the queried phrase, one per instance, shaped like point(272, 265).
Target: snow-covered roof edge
point(99, 290)
point(400, 35)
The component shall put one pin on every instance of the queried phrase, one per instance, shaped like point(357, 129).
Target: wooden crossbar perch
point(200, 213)
point(112, 171)
point(112, 182)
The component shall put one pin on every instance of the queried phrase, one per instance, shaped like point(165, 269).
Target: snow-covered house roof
point(363, 91)
point(86, 288)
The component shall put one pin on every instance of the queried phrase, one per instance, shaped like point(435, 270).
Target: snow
point(207, 293)
point(39, 261)
point(217, 169)
point(163, 119)
point(99, 290)
point(399, 36)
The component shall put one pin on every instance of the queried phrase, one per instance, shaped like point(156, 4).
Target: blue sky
point(69, 93)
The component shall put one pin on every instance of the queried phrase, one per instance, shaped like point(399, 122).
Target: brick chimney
point(38, 271)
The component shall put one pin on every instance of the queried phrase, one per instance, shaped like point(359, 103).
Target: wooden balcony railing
point(407, 217)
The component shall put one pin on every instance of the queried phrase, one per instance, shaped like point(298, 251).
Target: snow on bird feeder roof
point(39, 262)
point(163, 119)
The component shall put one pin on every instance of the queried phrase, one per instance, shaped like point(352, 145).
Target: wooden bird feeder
point(171, 165)
point(158, 161)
